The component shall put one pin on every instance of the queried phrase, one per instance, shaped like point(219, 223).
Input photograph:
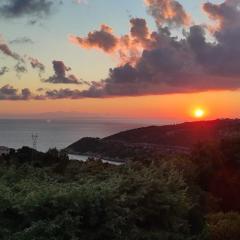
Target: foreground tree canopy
point(45, 196)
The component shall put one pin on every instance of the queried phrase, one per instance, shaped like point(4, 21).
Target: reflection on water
point(56, 133)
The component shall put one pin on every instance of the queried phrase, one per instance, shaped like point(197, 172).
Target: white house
point(4, 150)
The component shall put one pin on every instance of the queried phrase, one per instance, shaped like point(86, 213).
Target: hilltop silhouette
point(169, 138)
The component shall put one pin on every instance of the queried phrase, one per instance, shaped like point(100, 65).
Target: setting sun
point(199, 113)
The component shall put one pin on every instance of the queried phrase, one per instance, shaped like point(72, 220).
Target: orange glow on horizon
point(177, 107)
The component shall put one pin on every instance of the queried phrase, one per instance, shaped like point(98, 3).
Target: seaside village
point(4, 150)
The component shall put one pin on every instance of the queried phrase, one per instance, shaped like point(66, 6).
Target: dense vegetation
point(44, 196)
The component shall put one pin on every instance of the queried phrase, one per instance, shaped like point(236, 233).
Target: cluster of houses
point(4, 150)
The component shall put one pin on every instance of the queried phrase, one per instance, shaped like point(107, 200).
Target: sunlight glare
point(199, 113)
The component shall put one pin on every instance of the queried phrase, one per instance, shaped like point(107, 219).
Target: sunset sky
point(130, 58)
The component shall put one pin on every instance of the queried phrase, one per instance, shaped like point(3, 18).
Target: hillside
point(183, 135)
point(168, 138)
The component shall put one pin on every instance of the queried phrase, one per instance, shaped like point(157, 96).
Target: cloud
point(4, 48)
point(126, 48)
point(158, 62)
point(139, 29)
point(165, 64)
point(20, 65)
point(23, 8)
point(227, 13)
point(60, 76)
point(20, 68)
point(81, 1)
point(22, 40)
point(3, 70)
point(36, 64)
point(168, 12)
point(102, 39)
point(223, 56)
point(8, 92)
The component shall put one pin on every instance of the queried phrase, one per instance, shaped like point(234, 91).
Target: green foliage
point(28, 156)
point(129, 202)
point(46, 196)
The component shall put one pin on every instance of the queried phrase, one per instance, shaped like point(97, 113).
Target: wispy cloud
point(81, 1)
point(36, 64)
point(5, 49)
point(3, 70)
point(22, 40)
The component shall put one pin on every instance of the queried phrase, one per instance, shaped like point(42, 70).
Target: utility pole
point(34, 144)
point(34, 141)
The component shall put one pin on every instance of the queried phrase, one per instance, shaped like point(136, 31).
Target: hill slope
point(174, 138)
point(184, 135)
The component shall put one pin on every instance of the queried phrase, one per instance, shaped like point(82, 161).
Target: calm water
point(84, 158)
point(56, 133)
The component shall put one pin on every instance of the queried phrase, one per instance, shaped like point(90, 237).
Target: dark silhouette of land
point(181, 182)
point(178, 138)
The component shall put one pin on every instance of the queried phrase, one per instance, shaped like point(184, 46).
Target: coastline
point(85, 157)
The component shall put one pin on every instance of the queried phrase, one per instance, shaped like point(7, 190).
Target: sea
point(15, 133)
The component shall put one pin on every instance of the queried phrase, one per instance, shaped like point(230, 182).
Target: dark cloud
point(139, 28)
point(223, 56)
point(227, 13)
point(22, 40)
point(172, 65)
point(22, 8)
point(126, 48)
point(163, 63)
point(103, 39)
point(26, 94)
point(63, 93)
point(3, 70)
point(60, 76)
point(8, 92)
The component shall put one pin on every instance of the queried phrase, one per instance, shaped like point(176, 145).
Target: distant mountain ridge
point(178, 137)
point(184, 134)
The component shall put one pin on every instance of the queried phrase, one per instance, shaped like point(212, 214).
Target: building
point(4, 150)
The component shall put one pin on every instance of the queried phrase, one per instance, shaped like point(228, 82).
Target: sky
point(137, 59)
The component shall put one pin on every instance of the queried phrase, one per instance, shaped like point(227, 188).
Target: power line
point(34, 141)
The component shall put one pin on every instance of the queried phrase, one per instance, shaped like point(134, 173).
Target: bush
point(223, 226)
point(131, 202)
